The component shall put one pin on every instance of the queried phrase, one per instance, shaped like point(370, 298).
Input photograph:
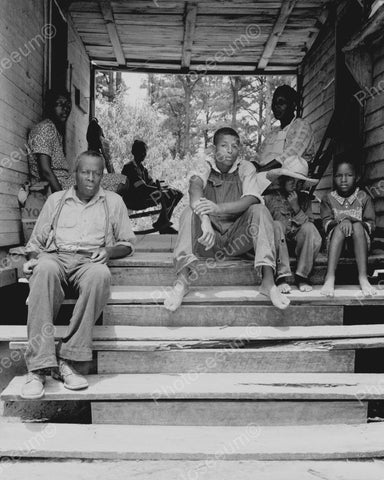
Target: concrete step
point(156, 268)
point(126, 442)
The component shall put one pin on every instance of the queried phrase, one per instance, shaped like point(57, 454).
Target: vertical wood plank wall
point(374, 135)
point(21, 88)
point(77, 123)
point(21, 101)
point(319, 92)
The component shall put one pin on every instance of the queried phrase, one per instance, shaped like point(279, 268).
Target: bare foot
point(367, 289)
point(174, 298)
point(278, 299)
point(328, 289)
point(284, 287)
point(304, 287)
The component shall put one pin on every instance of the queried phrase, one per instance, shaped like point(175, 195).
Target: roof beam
point(277, 31)
point(189, 34)
point(106, 10)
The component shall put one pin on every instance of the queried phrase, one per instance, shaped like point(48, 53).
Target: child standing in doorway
point(348, 217)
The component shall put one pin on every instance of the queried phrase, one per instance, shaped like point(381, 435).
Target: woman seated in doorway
point(294, 136)
point(46, 157)
point(47, 161)
point(141, 191)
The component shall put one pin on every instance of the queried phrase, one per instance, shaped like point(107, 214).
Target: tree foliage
point(179, 119)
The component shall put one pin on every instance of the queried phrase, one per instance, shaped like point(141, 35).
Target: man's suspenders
point(56, 216)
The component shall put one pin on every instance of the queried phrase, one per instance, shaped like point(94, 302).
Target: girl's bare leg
point(335, 247)
point(361, 253)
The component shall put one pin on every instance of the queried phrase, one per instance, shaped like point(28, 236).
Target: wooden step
point(156, 268)
point(119, 442)
point(226, 361)
point(213, 469)
point(162, 357)
point(155, 243)
point(229, 413)
point(344, 295)
point(216, 315)
point(217, 386)
point(155, 295)
point(240, 335)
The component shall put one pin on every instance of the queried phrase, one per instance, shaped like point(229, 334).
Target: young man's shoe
point(69, 376)
point(33, 388)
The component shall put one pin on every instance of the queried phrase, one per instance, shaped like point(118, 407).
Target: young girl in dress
point(348, 219)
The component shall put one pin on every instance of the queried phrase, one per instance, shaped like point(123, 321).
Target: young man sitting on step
point(77, 232)
point(226, 217)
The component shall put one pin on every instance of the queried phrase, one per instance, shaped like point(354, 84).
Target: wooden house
point(299, 385)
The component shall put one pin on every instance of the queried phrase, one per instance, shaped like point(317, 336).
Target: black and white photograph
point(192, 239)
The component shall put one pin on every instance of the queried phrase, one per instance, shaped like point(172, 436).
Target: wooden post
point(189, 32)
point(92, 88)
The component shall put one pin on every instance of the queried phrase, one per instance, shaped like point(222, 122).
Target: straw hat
point(295, 167)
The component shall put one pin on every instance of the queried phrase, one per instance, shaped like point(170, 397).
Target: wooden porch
point(175, 390)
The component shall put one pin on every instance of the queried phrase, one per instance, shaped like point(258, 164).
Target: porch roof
point(208, 36)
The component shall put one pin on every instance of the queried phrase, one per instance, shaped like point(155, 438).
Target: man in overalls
point(226, 217)
point(77, 232)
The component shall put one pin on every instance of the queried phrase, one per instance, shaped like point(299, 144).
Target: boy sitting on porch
point(226, 217)
point(293, 222)
point(77, 232)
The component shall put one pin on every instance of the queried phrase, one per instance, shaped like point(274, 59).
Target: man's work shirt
point(81, 226)
point(252, 183)
point(295, 139)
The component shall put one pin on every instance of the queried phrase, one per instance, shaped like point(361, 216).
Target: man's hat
point(294, 167)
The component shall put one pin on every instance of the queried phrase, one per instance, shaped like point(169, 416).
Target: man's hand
point(206, 207)
point(346, 227)
point(29, 266)
point(293, 200)
point(100, 256)
point(208, 237)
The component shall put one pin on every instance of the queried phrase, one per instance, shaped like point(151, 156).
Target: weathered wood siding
point(319, 91)
point(21, 87)
point(374, 135)
point(21, 100)
point(79, 75)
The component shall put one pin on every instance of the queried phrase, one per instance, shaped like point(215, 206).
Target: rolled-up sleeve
point(253, 183)
point(122, 231)
point(298, 140)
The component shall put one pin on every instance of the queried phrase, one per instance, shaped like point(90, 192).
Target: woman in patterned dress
point(47, 160)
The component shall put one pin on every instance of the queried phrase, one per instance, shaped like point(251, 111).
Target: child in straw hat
point(293, 224)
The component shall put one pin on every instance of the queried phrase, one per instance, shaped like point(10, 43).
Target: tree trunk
point(118, 81)
point(188, 87)
point(268, 105)
point(235, 86)
point(111, 86)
